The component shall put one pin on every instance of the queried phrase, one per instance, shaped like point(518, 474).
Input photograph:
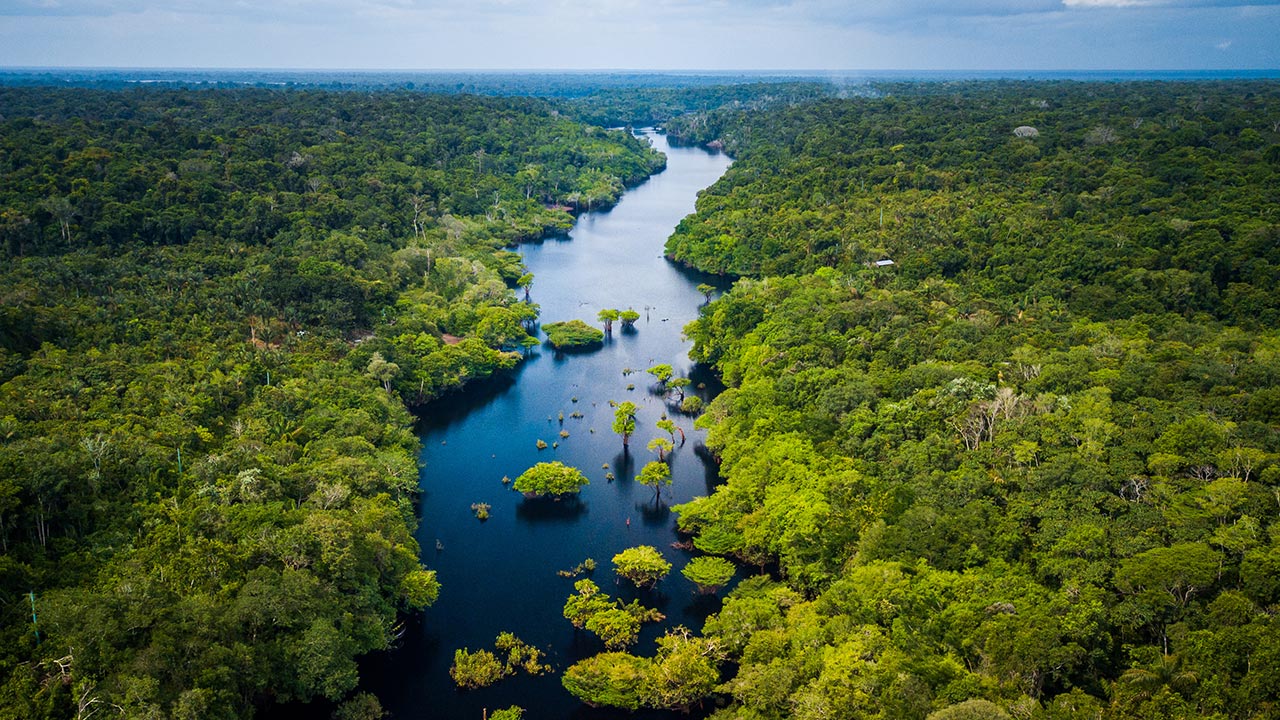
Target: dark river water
point(500, 575)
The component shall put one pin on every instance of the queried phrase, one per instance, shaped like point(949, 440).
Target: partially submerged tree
point(643, 565)
point(669, 427)
point(624, 420)
point(608, 316)
point(655, 474)
point(662, 373)
point(550, 478)
point(611, 679)
point(477, 669)
point(662, 446)
point(615, 623)
point(678, 385)
point(629, 318)
point(572, 334)
point(483, 668)
point(685, 670)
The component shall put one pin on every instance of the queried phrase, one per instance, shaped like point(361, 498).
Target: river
point(501, 574)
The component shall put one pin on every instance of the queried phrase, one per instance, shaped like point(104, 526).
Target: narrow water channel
point(501, 575)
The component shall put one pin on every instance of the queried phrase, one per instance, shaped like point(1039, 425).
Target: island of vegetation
point(572, 335)
point(550, 479)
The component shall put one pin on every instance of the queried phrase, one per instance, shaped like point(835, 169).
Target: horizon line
point(642, 71)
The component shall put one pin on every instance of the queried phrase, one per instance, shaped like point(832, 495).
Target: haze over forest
point(636, 34)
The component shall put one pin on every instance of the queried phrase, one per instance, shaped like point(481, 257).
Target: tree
point(678, 385)
point(708, 573)
point(662, 445)
point(607, 316)
point(471, 670)
point(629, 318)
point(586, 602)
point(361, 706)
point(685, 671)
point(662, 373)
point(655, 474)
point(382, 371)
point(976, 709)
point(618, 625)
point(420, 588)
point(550, 478)
point(706, 290)
point(669, 427)
point(643, 565)
point(610, 679)
point(624, 420)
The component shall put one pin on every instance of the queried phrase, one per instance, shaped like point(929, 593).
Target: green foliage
point(515, 712)
point(482, 668)
point(615, 623)
point(216, 305)
point(655, 473)
point(1021, 470)
point(419, 588)
point(643, 565)
point(661, 372)
point(611, 679)
point(628, 317)
point(608, 316)
point(550, 478)
point(977, 709)
point(361, 706)
point(708, 573)
point(472, 670)
point(684, 672)
point(624, 420)
point(572, 334)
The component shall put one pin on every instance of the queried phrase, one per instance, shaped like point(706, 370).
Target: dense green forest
point(1001, 437)
point(1030, 467)
point(216, 307)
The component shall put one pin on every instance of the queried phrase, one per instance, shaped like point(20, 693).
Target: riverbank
point(501, 575)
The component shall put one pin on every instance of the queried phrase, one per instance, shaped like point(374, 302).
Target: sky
point(644, 34)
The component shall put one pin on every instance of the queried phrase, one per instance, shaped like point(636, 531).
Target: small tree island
point(550, 479)
point(643, 565)
point(572, 334)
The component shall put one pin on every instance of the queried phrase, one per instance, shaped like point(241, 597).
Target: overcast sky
point(644, 34)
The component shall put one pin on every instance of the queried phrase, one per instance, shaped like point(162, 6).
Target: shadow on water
point(455, 407)
point(653, 514)
point(702, 606)
point(551, 510)
point(710, 467)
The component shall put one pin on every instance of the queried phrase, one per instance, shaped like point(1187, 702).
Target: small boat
point(439, 545)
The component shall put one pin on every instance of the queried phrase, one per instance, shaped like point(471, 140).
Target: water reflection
point(551, 510)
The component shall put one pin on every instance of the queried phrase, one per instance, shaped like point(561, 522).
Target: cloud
point(649, 34)
point(1224, 4)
